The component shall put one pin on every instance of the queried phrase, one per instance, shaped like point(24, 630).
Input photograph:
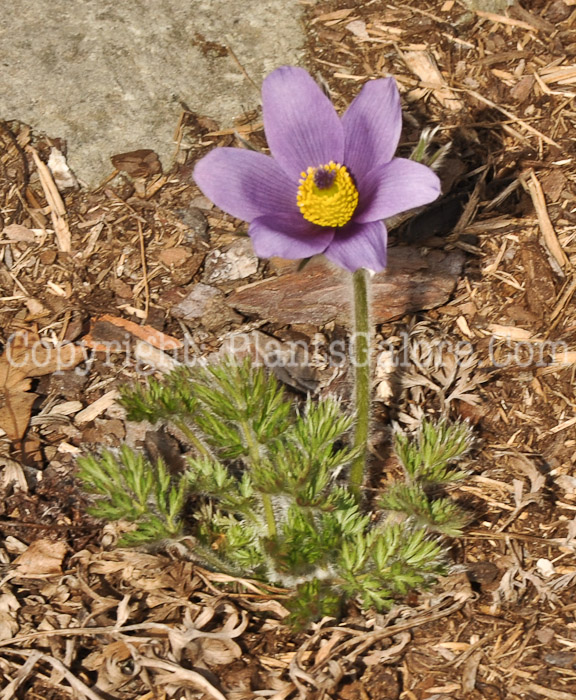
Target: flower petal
point(287, 237)
point(246, 184)
point(359, 245)
point(394, 187)
point(301, 125)
point(372, 125)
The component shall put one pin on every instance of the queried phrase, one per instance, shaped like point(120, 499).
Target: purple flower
point(330, 181)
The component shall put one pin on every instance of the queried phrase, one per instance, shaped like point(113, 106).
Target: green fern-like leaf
point(438, 514)
point(428, 458)
point(128, 487)
point(159, 400)
point(240, 397)
point(313, 600)
point(269, 496)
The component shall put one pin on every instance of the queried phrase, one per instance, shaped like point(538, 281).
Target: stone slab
point(109, 76)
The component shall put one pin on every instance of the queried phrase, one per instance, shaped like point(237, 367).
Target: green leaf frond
point(441, 515)
point(213, 480)
point(318, 436)
point(428, 457)
point(313, 600)
point(310, 455)
point(229, 544)
point(264, 480)
point(129, 487)
point(159, 400)
point(310, 541)
point(239, 394)
point(388, 562)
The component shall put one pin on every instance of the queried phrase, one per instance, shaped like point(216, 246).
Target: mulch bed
point(143, 268)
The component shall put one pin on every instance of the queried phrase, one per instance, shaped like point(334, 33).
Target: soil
point(105, 269)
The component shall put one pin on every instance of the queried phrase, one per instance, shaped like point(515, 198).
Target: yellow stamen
point(327, 195)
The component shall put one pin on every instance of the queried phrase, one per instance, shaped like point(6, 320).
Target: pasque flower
point(330, 181)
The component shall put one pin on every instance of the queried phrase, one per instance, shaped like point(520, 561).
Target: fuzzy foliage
point(133, 489)
point(265, 484)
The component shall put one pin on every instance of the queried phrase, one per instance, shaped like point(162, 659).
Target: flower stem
point(362, 365)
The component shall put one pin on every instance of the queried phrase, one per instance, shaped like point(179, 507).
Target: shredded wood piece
point(534, 188)
point(146, 353)
point(501, 19)
point(150, 335)
point(550, 693)
point(98, 407)
point(336, 15)
point(564, 75)
point(57, 208)
point(510, 332)
point(565, 424)
point(145, 280)
point(422, 64)
point(564, 299)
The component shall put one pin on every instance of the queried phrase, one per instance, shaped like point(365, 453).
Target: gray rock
point(109, 76)
point(197, 225)
point(205, 305)
point(236, 262)
point(197, 302)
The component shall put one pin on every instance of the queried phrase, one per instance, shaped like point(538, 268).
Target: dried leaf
point(358, 28)
point(42, 558)
point(11, 472)
point(219, 651)
point(25, 356)
point(16, 412)
point(63, 176)
point(423, 64)
point(8, 625)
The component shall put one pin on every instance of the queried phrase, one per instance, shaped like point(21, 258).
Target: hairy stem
point(362, 370)
point(201, 448)
point(209, 558)
point(254, 455)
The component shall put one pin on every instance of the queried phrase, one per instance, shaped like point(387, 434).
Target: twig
point(361, 641)
point(510, 115)
point(57, 208)
point(75, 683)
point(9, 691)
point(473, 534)
point(237, 61)
point(564, 299)
point(144, 270)
point(182, 675)
point(534, 189)
point(501, 19)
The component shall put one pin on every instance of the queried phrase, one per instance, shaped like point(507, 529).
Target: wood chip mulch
point(143, 270)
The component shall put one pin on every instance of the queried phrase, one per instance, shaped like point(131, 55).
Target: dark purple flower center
point(324, 178)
